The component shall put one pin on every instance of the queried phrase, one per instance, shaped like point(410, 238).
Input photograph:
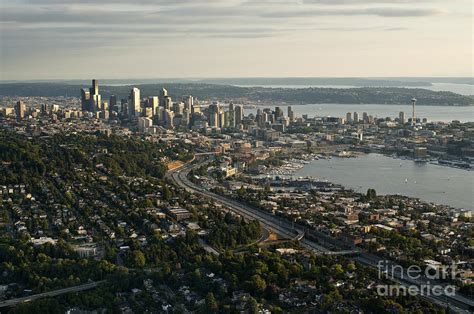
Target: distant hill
point(364, 95)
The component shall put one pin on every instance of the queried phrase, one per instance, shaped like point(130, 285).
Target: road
point(268, 221)
point(87, 286)
point(290, 230)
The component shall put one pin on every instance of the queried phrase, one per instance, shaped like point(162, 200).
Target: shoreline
point(286, 174)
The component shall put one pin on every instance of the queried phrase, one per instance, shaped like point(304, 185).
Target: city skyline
point(236, 156)
point(52, 40)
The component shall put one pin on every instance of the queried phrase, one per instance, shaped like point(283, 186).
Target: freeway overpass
point(53, 293)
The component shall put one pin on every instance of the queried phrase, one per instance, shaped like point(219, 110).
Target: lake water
point(432, 113)
point(429, 182)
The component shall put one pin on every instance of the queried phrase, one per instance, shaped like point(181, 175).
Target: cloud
point(70, 28)
point(382, 12)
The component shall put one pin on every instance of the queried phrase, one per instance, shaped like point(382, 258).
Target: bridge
point(53, 293)
point(343, 252)
point(206, 154)
point(299, 236)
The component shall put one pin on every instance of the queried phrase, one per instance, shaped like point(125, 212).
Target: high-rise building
point(413, 117)
point(278, 112)
point(124, 107)
point(365, 117)
point(186, 118)
point(231, 116)
point(356, 117)
point(188, 102)
point(214, 119)
point(95, 87)
point(239, 115)
point(264, 118)
point(20, 109)
point(196, 109)
point(169, 116)
point(160, 114)
point(144, 123)
point(291, 114)
point(148, 112)
point(163, 94)
point(134, 108)
point(213, 111)
point(85, 99)
point(44, 109)
point(222, 120)
point(349, 117)
point(104, 106)
point(104, 114)
point(95, 99)
point(178, 107)
point(153, 103)
point(113, 103)
point(167, 103)
point(401, 117)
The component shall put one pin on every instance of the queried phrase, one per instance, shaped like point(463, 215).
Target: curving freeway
point(285, 228)
point(278, 225)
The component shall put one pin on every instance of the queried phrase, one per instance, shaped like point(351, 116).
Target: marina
point(427, 181)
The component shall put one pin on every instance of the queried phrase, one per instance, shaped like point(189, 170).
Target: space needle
point(413, 116)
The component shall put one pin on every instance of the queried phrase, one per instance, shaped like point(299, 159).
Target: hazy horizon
point(71, 39)
point(183, 78)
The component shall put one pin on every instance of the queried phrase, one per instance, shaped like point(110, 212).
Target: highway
point(53, 293)
point(285, 228)
point(271, 222)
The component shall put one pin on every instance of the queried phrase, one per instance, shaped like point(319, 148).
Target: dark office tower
point(365, 117)
point(113, 103)
point(44, 109)
point(178, 107)
point(85, 99)
point(20, 110)
point(278, 112)
point(163, 95)
point(95, 87)
point(124, 107)
point(231, 120)
point(261, 117)
point(95, 99)
point(239, 115)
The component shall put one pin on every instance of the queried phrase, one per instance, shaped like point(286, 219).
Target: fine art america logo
point(416, 280)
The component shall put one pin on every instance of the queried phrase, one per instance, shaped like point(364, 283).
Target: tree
point(351, 267)
point(371, 194)
point(211, 303)
point(139, 258)
point(258, 284)
point(252, 306)
point(337, 269)
point(166, 193)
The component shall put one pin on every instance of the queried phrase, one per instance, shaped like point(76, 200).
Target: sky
point(83, 39)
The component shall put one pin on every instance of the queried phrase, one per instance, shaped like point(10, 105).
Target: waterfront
point(430, 182)
point(432, 113)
